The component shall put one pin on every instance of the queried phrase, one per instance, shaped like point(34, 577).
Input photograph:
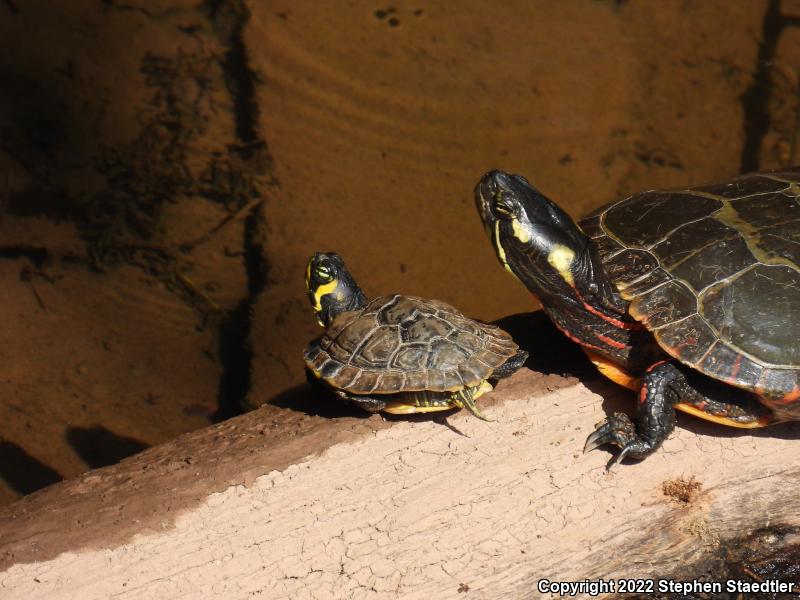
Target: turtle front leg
point(367, 403)
point(663, 386)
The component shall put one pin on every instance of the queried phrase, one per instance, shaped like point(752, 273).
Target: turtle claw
point(480, 415)
point(598, 438)
point(474, 410)
point(618, 430)
point(593, 442)
point(618, 458)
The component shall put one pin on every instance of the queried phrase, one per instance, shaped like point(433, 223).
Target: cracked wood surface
point(418, 510)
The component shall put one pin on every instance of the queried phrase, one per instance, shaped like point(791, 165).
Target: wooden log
point(408, 507)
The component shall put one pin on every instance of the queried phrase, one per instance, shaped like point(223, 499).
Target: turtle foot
point(620, 431)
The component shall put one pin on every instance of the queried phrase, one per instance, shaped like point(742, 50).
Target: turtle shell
point(404, 344)
point(714, 273)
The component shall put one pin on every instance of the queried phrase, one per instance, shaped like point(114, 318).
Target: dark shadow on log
point(782, 431)
point(22, 472)
point(316, 401)
point(100, 447)
point(549, 351)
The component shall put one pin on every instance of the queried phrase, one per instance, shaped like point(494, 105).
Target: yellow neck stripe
point(323, 290)
point(501, 253)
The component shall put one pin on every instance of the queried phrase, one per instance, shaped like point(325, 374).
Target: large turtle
point(690, 297)
point(400, 354)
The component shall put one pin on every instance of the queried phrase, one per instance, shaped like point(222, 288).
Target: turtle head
point(539, 243)
point(331, 289)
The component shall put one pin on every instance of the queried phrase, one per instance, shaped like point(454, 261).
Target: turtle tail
point(466, 399)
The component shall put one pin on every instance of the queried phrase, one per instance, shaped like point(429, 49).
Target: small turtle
point(690, 297)
point(400, 354)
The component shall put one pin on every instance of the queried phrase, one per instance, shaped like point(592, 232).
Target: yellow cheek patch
point(560, 258)
point(323, 290)
point(520, 232)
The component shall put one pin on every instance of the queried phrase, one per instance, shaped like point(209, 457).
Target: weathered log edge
point(409, 507)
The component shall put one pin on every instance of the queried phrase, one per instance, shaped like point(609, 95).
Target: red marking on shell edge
point(788, 398)
point(735, 369)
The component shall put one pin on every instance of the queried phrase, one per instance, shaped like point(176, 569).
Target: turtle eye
point(323, 273)
point(502, 208)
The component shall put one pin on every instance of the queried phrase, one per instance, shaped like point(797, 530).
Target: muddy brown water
point(167, 167)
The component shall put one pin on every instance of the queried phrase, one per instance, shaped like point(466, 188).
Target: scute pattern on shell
point(402, 344)
point(714, 272)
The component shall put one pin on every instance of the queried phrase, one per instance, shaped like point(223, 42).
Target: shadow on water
point(22, 472)
point(100, 447)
